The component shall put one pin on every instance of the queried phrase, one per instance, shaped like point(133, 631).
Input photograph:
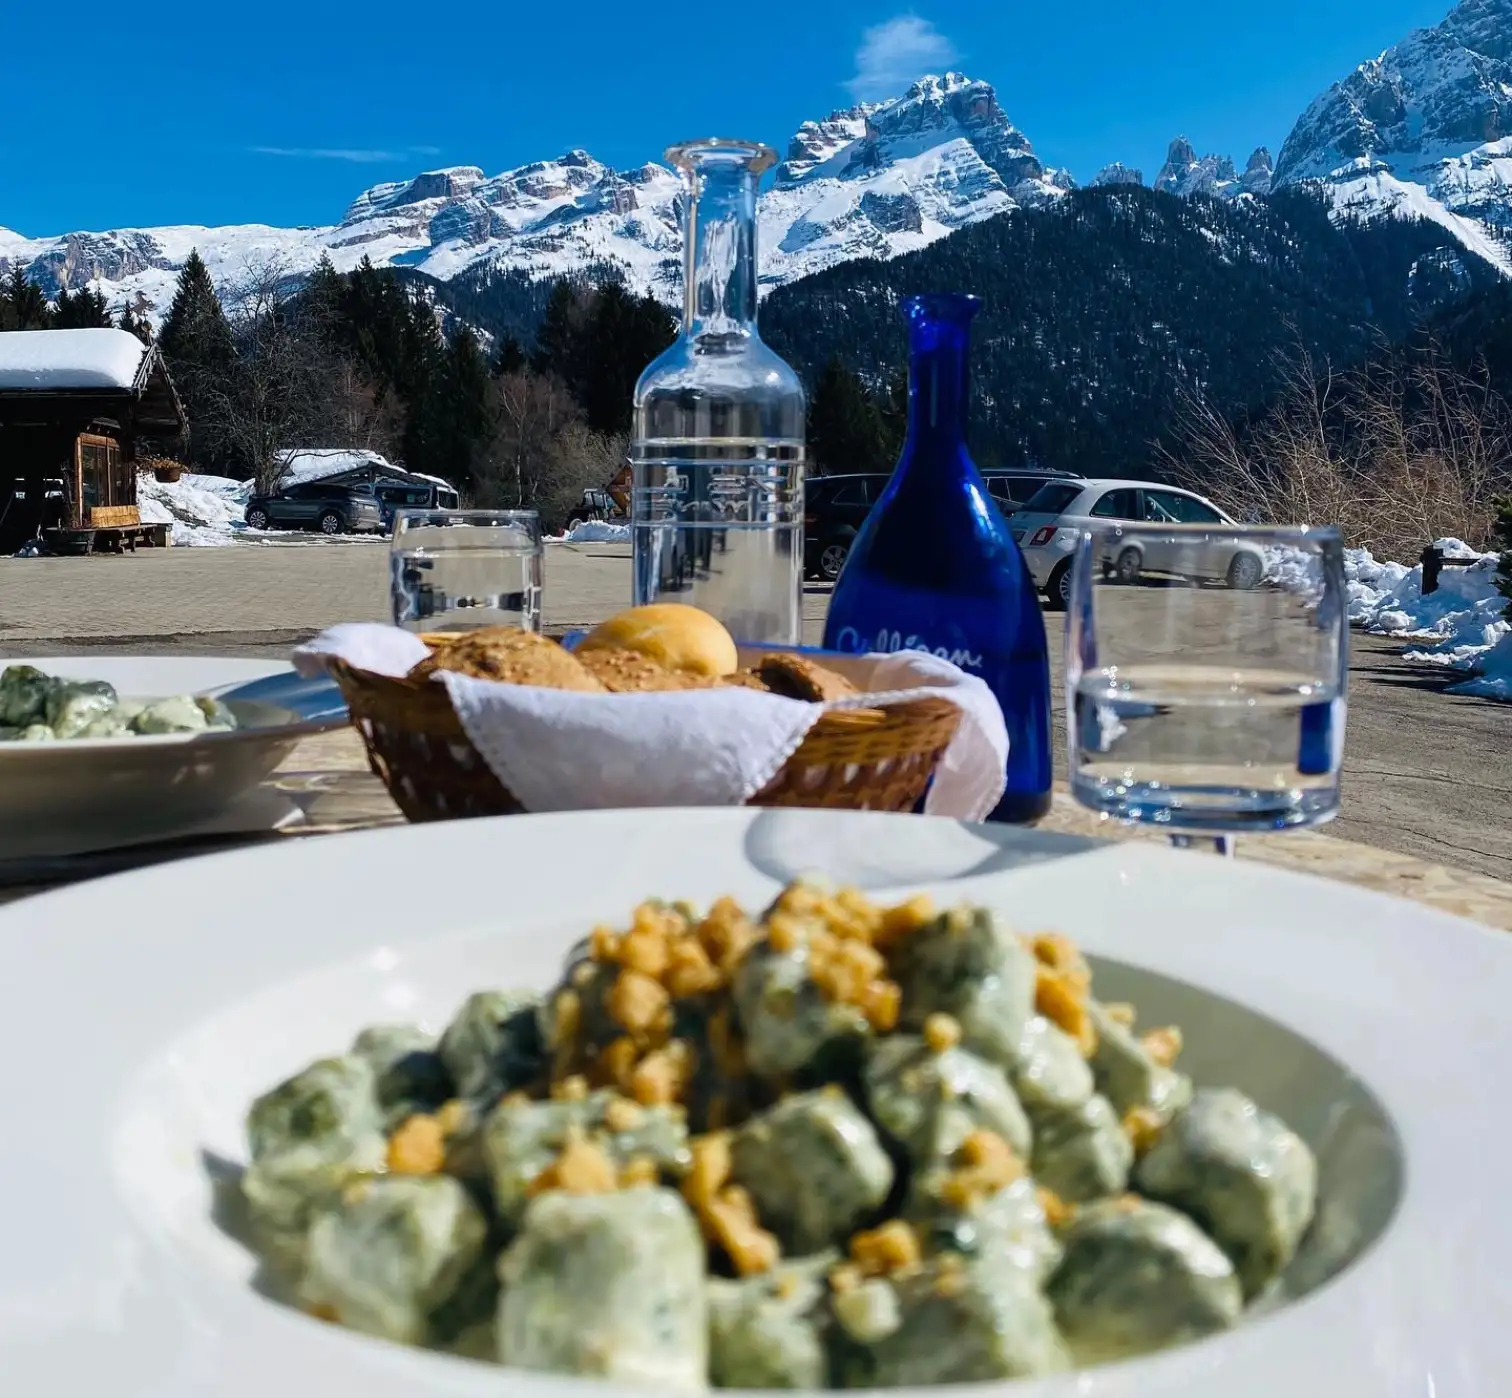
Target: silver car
point(1048, 524)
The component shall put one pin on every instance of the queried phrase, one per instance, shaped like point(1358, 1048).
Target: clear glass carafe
point(716, 512)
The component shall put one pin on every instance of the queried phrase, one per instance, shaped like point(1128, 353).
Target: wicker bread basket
point(855, 759)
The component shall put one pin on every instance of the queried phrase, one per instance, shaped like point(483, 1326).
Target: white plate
point(67, 798)
point(139, 1015)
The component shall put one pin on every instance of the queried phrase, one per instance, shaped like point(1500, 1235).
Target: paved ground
point(1427, 773)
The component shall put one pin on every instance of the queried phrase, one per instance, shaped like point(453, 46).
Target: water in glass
point(460, 570)
point(1197, 703)
point(716, 516)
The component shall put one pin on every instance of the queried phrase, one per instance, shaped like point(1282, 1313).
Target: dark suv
point(332, 509)
point(834, 507)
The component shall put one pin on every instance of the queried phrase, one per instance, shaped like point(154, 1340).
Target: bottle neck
point(719, 272)
point(939, 385)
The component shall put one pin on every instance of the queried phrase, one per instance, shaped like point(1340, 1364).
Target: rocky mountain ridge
point(1423, 131)
point(873, 180)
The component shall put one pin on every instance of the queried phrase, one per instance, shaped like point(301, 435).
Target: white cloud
point(896, 52)
point(356, 156)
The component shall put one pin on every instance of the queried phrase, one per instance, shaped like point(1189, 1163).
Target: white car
point(1048, 524)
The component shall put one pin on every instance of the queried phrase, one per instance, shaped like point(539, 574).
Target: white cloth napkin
point(561, 751)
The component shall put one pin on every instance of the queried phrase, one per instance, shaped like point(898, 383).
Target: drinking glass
point(1205, 677)
point(457, 570)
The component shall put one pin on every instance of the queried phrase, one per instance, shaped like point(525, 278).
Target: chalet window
point(101, 474)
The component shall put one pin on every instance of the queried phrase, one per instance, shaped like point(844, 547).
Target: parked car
point(1013, 489)
point(402, 495)
point(1048, 525)
point(332, 509)
point(833, 509)
point(835, 506)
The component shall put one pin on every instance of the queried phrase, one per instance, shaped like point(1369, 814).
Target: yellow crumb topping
point(941, 1033)
point(984, 1164)
point(581, 1168)
point(453, 1116)
point(887, 1249)
point(418, 1147)
point(1058, 1213)
point(1163, 1045)
point(1063, 1001)
point(725, 1211)
point(623, 1115)
point(639, 1171)
point(1142, 1125)
point(1120, 1012)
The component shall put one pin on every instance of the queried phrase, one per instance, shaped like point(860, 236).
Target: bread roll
point(512, 656)
point(677, 637)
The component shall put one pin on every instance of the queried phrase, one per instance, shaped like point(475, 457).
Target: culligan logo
point(888, 642)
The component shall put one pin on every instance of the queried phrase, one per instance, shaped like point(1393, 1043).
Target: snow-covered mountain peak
point(1484, 26)
point(883, 178)
point(1183, 174)
point(872, 180)
point(1260, 174)
point(817, 141)
point(1424, 130)
point(1117, 173)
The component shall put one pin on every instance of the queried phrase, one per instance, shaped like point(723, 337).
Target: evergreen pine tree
point(25, 307)
point(844, 428)
point(322, 300)
point(196, 342)
point(559, 341)
point(509, 358)
point(195, 334)
point(86, 310)
point(459, 403)
point(621, 335)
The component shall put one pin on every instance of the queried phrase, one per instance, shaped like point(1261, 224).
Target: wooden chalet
point(77, 408)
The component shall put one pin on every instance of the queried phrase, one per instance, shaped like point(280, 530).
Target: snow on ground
point(207, 512)
point(1463, 619)
point(593, 531)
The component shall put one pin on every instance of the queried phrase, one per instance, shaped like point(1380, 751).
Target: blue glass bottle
point(935, 567)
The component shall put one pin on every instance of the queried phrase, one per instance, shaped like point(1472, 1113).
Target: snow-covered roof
point(316, 463)
point(303, 464)
point(434, 480)
point(69, 360)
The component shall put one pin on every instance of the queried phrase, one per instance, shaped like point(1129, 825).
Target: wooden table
point(327, 777)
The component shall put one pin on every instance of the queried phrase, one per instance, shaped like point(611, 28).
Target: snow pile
point(593, 531)
point(1464, 617)
point(70, 359)
point(208, 512)
point(203, 510)
point(1294, 570)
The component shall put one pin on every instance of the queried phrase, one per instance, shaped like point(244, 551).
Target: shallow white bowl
point(141, 1014)
point(63, 798)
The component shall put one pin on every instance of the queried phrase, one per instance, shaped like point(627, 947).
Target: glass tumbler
point(458, 570)
point(1206, 669)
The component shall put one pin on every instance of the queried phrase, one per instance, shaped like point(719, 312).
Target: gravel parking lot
point(1427, 773)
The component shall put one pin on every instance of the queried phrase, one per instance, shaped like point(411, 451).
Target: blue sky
point(281, 112)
